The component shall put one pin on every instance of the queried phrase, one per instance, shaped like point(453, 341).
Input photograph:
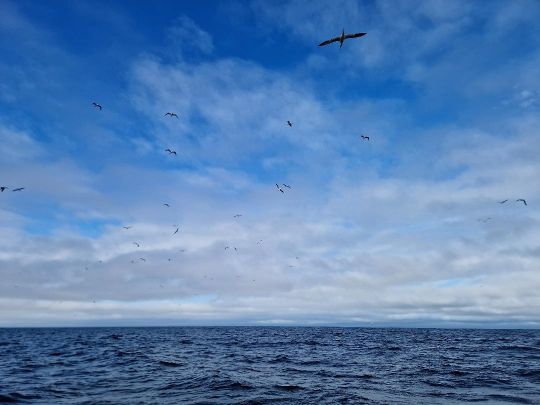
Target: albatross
point(342, 38)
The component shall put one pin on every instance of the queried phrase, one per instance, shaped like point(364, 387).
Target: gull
point(136, 244)
point(167, 205)
point(170, 114)
point(518, 200)
point(175, 232)
point(237, 216)
point(171, 152)
point(502, 202)
point(3, 188)
point(18, 189)
point(142, 258)
point(279, 188)
point(127, 227)
point(365, 138)
point(289, 123)
point(342, 38)
point(285, 185)
point(97, 106)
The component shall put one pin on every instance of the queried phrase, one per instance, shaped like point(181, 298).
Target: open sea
point(263, 365)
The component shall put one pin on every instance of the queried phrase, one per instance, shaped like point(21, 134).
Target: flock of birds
point(281, 188)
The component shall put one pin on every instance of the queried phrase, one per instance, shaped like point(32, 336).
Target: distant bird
point(365, 138)
point(235, 249)
point(518, 200)
point(182, 250)
point(126, 227)
point(289, 123)
point(502, 202)
point(285, 185)
point(142, 258)
point(175, 232)
point(167, 205)
point(342, 38)
point(226, 247)
point(259, 241)
point(97, 106)
point(279, 188)
point(136, 244)
point(3, 188)
point(485, 220)
point(171, 152)
point(237, 216)
point(169, 259)
point(170, 114)
point(18, 189)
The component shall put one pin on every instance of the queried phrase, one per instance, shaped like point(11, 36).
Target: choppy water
point(268, 365)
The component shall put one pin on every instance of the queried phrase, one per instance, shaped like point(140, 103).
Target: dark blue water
point(268, 365)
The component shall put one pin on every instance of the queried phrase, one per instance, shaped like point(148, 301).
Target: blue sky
point(392, 231)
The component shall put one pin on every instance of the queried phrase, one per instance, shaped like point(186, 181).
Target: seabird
point(136, 244)
point(502, 202)
point(3, 188)
point(226, 247)
point(365, 138)
point(237, 216)
point(289, 123)
point(97, 106)
point(170, 114)
point(18, 189)
point(171, 152)
point(285, 185)
point(518, 200)
point(175, 232)
point(126, 227)
point(142, 258)
point(279, 188)
point(166, 205)
point(342, 38)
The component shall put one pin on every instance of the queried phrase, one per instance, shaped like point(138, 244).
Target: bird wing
point(329, 41)
point(359, 34)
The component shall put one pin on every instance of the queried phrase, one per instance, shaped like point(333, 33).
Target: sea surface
point(262, 365)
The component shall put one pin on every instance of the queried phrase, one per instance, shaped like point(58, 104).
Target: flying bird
point(136, 244)
point(237, 216)
point(365, 138)
point(289, 123)
point(18, 189)
point(518, 200)
point(170, 114)
point(502, 202)
point(279, 188)
point(142, 258)
point(342, 38)
point(171, 152)
point(485, 220)
point(3, 188)
point(126, 227)
point(226, 247)
point(97, 106)
point(285, 185)
point(175, 232)
point(166, 205)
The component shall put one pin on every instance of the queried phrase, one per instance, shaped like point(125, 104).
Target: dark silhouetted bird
point(342, 38)
point(3, 188)
point(142, 258)
point(126, 227)
point(175, 232)
point(136, 244)
point(171, 152)
point(279, 188)
point(237, 216)
point(522, 200)
point(502, 202)
point(166, 205)
point(365, 138)
point(289, 123)
point(285, 185)
point(170, 114)
point(18, 189)
point(97, 106)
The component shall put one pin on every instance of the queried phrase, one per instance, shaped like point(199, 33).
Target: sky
point(402, 230)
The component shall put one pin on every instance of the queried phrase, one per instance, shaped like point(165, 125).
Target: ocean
point(263, 365)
